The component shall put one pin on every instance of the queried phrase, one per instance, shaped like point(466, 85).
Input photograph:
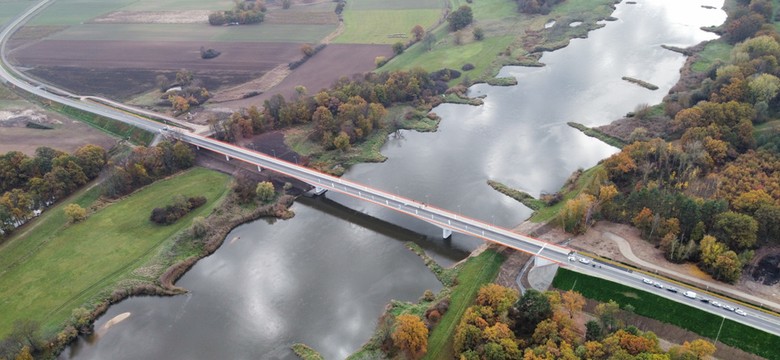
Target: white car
point(647, 281)
point(728, 307)
point(690, 294)
point(572, 258)
point(585, 261)
point(658, 285)
point(715, 303)
point(741, 312)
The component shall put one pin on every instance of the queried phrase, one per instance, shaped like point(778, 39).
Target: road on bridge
point(439, 217)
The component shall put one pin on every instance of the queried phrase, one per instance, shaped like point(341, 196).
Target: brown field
point(236, 56)
point(333, 62)
point(67, 134)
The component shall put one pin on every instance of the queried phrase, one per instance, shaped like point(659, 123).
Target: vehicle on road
point(704, 300)
point(647, 281)
point(728, 307)
point(690, 294)
point(572, 258)
point(715, 303)
point(658, 285)
point(740, 312)
point(585, 261)
point(672, 289)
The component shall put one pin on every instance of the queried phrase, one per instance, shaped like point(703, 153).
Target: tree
point(738, 231)
point(499, 298)
point(764, 88)
point(183, 155)
point(91, 159)
point(75, 213)
point(460, 18)
point(24, 354)
point(573, 302)
point(428, 41)
point(307, 50)
point(607, 314)
point(265, 191)
point(341, 141)
point(532, 308)
point(592, 330)
point(398, 48)
point(479, 34)
point(728, 267)
point(418, 32)
point(710, 249)
point(410, 335)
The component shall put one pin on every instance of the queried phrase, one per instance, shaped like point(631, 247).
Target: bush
point(208, 53)
point(467, 67)
point(181, 207)
point(380, 61)
point(75, 213)
point(445, 75)
point(398, 48)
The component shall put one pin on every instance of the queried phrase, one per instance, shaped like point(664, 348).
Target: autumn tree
point(75, 213)
point(307, 50)
point(573, 302)
point(341, 142)
point(607, 314)
point(497, 297)
point(410, 336)
point(418, 32)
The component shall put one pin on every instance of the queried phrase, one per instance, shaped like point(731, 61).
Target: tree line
point(244, 12)
point(345, 114)
point(143, 165)
point(712, 196)
point(30, 184)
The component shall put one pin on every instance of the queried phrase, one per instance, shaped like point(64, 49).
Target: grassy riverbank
point(656, 307)
point(53, 267)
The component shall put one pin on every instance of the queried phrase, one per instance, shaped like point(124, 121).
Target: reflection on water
point(323, 277)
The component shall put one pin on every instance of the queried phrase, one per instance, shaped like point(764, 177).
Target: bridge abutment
point(446, 233)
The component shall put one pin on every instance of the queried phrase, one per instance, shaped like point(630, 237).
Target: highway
point(439, 217)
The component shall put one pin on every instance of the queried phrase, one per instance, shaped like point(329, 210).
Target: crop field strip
point(386, 22)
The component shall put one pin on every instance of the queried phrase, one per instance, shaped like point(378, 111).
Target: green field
point(479, 53)
point(196, 32)
point(178, 5)
point(477, 271)
point(74, 12)
point(393, 5)
point(714, 51)
point(46, 273)
point(491, 9)
point(375, 26)
point(11, 8)
point(668, 311)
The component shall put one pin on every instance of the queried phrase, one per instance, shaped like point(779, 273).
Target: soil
point(66, 135)
point(272, 143)
point(765, 267)
point(657, 126)
point(154, 17)
point(321, 71)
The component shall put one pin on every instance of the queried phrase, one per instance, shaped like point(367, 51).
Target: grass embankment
point(504, 29)
point(55, 267)
point(668, 311)
point(119, 129)
point(521, 196)
point(305, 352)
point(474, 273)
point(336, 161)
point(611, 140)
point(573, 187)
point(714, 51)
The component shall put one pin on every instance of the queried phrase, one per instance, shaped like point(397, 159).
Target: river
point(324, 277)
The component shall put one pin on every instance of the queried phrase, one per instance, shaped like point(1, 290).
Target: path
point(625, 250)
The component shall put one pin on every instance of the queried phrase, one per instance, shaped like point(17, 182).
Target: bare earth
point(67, 135)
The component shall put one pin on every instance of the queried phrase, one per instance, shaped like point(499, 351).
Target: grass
point(55, 267)
point(178, 5)
point(297, 33)
point(585, 180)
point(611, 140)
point(117, 128)
point(521, 196)
point(668, 311)
point(305, 352)
point(712, 52)
point(11, 8)
point(475, 272)
point(75, 12)
point(393, 5)
point(376, 26)
point(489, 9)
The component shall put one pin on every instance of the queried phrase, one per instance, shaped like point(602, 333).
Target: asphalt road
point(439, 217)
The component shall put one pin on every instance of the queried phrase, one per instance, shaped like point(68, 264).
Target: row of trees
point(347, 113)
point(30, 184)
point(712, 197)
point(181, 206)
point(537, 325)
point(244, 12)
point(146, 164)
point(191, 91)
point(536, 6)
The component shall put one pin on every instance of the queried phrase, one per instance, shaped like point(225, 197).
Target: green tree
point(341, 142)
point(764, 88)
point(75, 213)
point(418, 32)
point(592, 330)
point(265, 191)
point(479, 34)
point(607, 313)
point(460, 18)
point(532, 308)
point(728, 267)
point(738, 231)
point(91, 159)
point(183, 155)
point(398, 48)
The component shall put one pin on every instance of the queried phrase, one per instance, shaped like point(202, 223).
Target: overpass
point(448, 221)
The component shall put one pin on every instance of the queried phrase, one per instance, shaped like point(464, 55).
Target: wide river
point(323, 277)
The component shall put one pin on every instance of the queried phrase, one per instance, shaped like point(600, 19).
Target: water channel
point(323, 277)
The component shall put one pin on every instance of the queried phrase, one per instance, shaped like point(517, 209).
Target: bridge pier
point(259, 169)
point(227, 158)
point(319, 191)
point(446, 233)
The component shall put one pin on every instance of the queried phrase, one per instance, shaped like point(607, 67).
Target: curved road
point(439, 217)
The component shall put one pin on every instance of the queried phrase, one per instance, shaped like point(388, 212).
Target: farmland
point(386, 22)
point(65, 265)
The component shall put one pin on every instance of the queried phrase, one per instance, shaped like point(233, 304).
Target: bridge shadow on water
point(441, 250)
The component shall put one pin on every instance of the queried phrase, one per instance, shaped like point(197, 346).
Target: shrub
point(208, 53)
point(181, 207)
point(467, 67)
point(75, 213)
point(398, 48)
point(380, 61)
point(479, 34)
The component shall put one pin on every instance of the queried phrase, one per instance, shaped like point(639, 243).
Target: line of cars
point(692, 295)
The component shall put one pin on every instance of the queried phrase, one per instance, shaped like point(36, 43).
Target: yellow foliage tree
point(411, 336)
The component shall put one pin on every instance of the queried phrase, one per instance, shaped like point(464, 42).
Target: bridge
point(448, 221)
